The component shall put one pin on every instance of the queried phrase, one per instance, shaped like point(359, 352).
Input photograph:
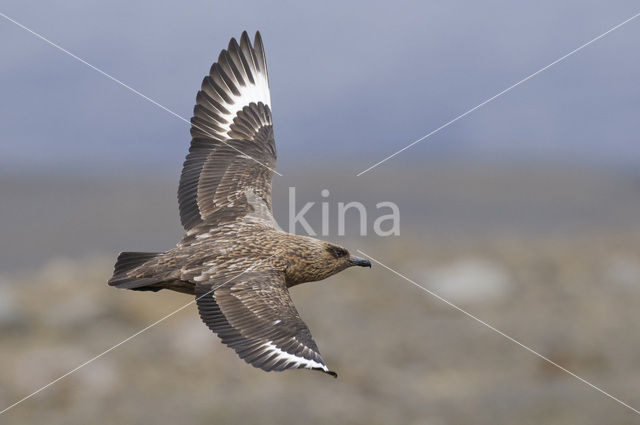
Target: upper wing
point(255, 316)
point(232, 153)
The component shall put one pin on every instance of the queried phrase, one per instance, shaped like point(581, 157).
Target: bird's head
point(313, 260)
point(340, 258)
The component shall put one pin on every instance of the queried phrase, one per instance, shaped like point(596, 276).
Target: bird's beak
point(357, 261)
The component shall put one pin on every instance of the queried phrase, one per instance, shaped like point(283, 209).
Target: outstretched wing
point(255, 316)
point(232, 153)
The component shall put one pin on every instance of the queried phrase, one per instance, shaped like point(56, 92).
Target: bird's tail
point(126, 262)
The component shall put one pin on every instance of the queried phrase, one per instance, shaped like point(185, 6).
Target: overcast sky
point(350, 81)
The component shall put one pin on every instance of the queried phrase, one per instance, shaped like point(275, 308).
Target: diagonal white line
point(499, 332)
point(132, 336)
point(112, 78)
point(499, 94)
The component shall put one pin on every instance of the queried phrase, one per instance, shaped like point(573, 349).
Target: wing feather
point(232, 139)
point(256, 317)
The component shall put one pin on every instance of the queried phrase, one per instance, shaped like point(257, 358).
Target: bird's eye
point(338, 252)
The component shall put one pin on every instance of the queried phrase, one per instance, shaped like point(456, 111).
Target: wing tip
point(257, 38)
point(323, 368)
point(331, 372)
point(244, 38)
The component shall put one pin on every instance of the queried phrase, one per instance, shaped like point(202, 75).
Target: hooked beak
point(357, 261)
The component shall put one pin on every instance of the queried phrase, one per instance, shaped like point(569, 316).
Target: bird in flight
point(233, 257)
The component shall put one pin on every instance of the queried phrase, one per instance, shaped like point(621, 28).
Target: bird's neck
point(305, 261)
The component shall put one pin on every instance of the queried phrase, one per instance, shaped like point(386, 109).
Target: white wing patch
point(250, 93)
point(237, 80)
point(292, 360)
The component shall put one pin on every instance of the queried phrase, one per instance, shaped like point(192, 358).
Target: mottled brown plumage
point(233, 257)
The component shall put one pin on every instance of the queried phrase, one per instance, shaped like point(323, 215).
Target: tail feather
point(126, 262)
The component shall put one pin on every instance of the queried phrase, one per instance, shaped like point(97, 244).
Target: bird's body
point(240, 246)
point(233, 257)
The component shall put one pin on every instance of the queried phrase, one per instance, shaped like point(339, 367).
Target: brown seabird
point(233, 258)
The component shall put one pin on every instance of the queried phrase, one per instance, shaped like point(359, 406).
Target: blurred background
point(525, 213)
